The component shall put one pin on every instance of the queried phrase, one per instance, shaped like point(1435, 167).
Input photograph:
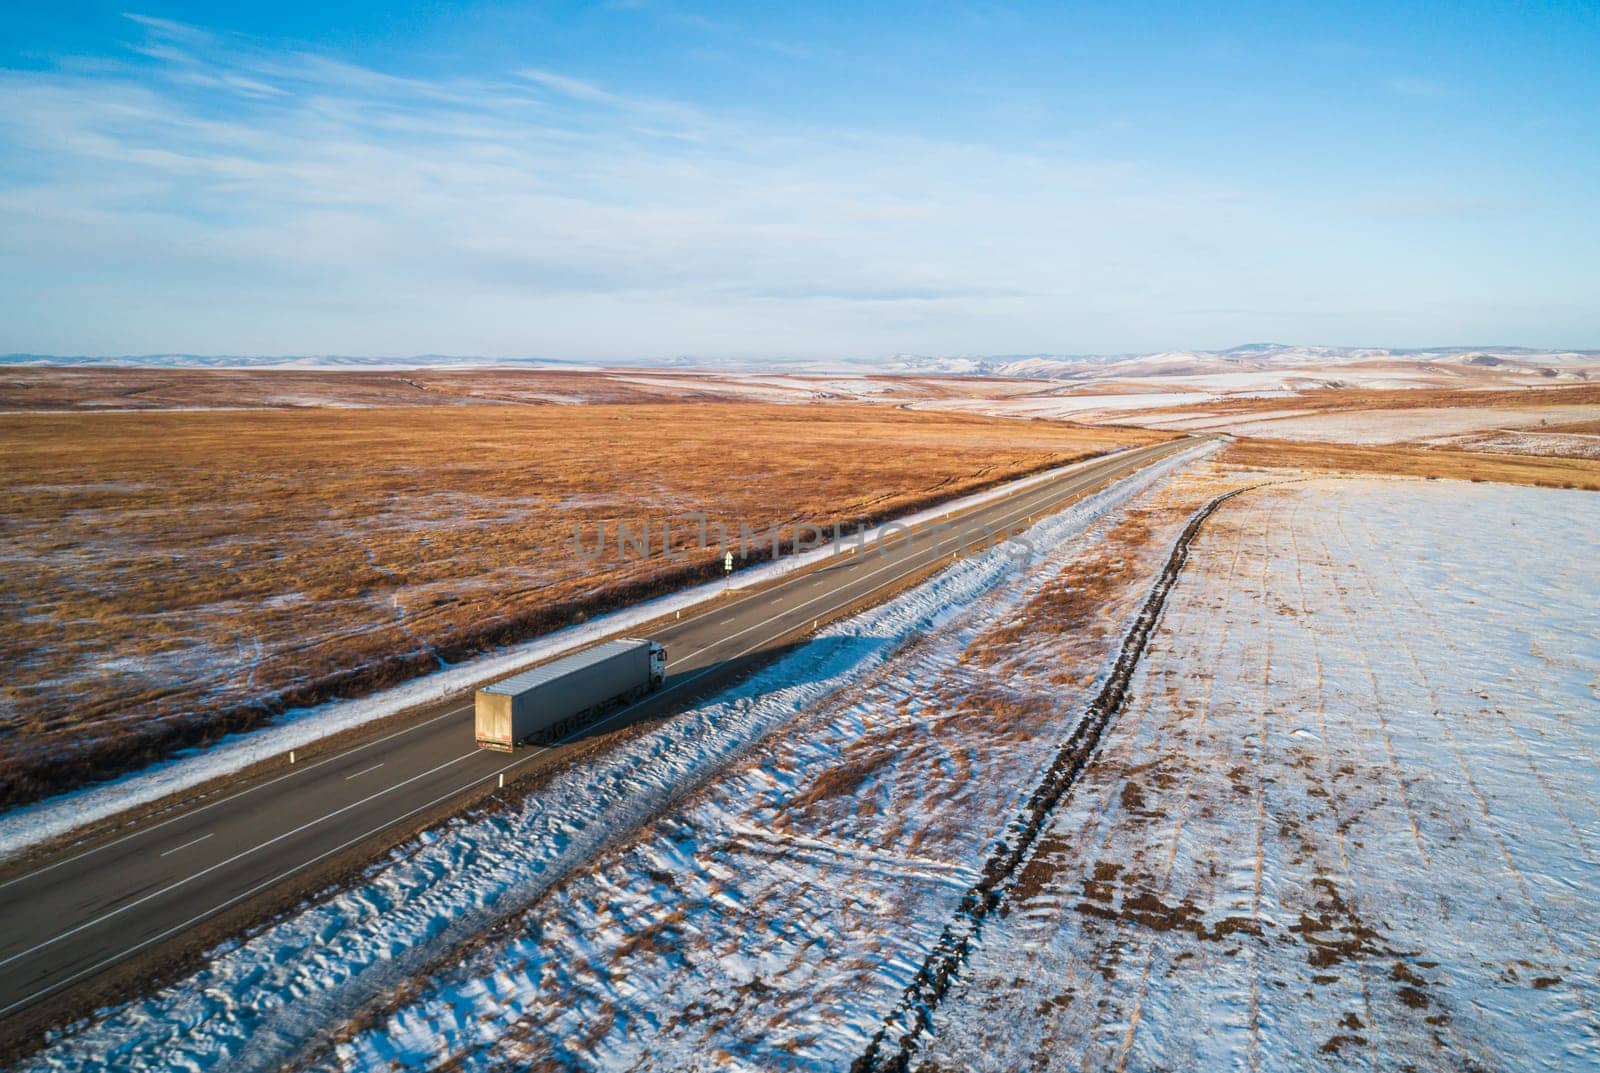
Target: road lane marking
point(364, 771)
point(169, 888)
point(300, 769)
point(892, 565)
point(263, 885)
point(186, 845)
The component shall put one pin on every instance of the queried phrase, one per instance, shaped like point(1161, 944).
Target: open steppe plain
point(1338, 821)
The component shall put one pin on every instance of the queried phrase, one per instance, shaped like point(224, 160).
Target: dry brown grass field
point(34, 388)
point(170, 577)
point(1403, 461)
point(97, 388)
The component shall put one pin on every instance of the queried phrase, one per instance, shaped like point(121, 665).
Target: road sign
point(727, 562)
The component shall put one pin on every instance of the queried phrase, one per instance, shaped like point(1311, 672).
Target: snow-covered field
point(1202, 420)
point(805, 875)
point(1087, 406)
point(1395, 426)
point(1348, 819)
point(1526, 442)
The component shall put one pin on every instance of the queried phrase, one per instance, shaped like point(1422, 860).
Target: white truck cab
point(658, 665)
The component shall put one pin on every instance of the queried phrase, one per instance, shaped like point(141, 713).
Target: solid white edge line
point(299, 769)
point(280, 877)
point(103, 917)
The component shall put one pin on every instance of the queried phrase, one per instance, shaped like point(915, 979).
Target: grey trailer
point(552, 700)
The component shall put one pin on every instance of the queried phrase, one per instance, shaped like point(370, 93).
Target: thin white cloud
point(217, 196)
point(170, 30)
point(1414, 86)
point(576, 88)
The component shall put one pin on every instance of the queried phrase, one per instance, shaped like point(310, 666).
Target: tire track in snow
point(1383, 719)
point(1449, 736)
point(1182, 812)
point(1470, 780)
point(1459, 1047)
point(1444, 635)
point(1347, 881)
point(1259, 794)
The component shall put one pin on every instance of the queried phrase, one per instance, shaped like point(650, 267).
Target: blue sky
point(631, 180)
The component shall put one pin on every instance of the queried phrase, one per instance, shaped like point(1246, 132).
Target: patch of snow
point(1066, 407)
point(1395, 426)
point(1525, 442)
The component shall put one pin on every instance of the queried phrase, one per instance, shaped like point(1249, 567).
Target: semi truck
point(550, 701)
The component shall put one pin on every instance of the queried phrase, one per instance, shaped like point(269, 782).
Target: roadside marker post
point(291, 756)
point(502, 780)
point(727, 570)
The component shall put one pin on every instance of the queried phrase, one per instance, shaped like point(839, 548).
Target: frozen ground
point(770, 920)
point(1348, 818)
point(806, 874)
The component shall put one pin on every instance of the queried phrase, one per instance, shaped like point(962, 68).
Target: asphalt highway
point(70, 918)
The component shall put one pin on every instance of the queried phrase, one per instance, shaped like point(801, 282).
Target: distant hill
point(1249, 357)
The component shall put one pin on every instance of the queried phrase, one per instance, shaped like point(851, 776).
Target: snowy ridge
point(1048, 366)
point(259, 1002)
point(1279, 358)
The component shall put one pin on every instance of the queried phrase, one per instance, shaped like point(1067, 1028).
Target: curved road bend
point(71, 918)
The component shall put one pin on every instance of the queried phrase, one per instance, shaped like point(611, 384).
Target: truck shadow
point(691, 688)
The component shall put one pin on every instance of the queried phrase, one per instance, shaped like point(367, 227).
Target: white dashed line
point(186, 845)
